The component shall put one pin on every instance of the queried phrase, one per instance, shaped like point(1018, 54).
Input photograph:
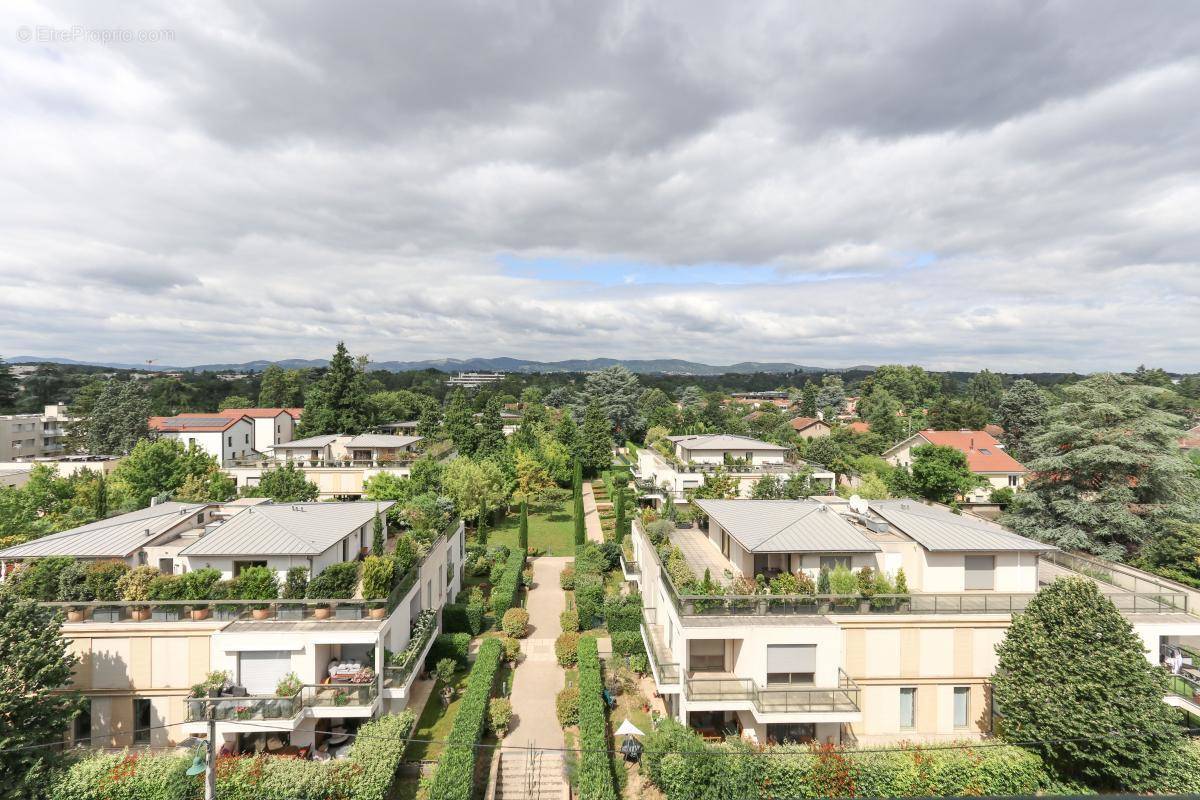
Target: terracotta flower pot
point(321, 613)
point(140, 614)
point(260, 613)
point(76, 615)
point(378, 612)
point(200, 613)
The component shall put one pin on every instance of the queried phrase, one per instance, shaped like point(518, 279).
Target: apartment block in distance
point(30, 436)
point(852, 670)
point(139, 662)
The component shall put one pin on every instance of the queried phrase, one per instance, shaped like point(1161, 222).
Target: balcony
point(341, 696)
point(842, 699)
point(249, 708)
point(662, 661)
point(396, 676)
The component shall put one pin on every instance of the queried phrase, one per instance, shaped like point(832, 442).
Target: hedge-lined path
point(538, 678)
point(591, 516)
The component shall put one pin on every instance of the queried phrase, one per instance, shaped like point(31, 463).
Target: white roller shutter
point(260, 671)
point(791, 658)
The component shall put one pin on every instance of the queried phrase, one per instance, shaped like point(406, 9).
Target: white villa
point(226, 436)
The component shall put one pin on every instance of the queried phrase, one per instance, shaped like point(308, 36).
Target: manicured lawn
point(553, 534)
point(435, 721)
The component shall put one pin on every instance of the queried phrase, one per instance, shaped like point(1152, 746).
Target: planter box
point(344, 612)
point(165, 615)
point(290, 612)
point(106, 615)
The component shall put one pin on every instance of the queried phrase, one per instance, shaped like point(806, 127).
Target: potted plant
point(903, 601)
point(166, 587)
point(843, 585)
point(198, 585)
point(258, 583)
point(72, 586)
point(295, 586)
point(101, 579)
point(286, 690)
point(226, 590)
point(444, 672)
point(377, 573)
point(135, 587)
point(512, 651)
point(866, 589)
point(336, 582)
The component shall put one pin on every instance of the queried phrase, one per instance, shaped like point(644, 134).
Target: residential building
point(226, 436)
point(1191, 439)
point(337, 463)
point(811, 427)
point(272, 426)
point(139, 662)
point(473, 380)
point(759, 399)
point(985, 457)
point(693, 458)
point(28, 436)
point(849, 669)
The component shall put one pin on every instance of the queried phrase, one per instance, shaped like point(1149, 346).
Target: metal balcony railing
point(251, 707)
point(775, 699)
point(340, 695)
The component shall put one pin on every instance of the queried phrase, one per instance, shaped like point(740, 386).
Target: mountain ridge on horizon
point(451, 365)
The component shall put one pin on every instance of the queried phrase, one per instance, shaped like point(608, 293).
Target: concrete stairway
point(531, 775)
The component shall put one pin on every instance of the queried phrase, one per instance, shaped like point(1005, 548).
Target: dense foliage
point(595, 768)
point(455, 776)
point(505, 591)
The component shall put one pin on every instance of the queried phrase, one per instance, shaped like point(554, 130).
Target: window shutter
point(791, 658)
point(980, 572)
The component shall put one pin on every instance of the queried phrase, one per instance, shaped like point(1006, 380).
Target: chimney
point(972, 443)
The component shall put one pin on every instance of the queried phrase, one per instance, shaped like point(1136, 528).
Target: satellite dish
point(857, 504)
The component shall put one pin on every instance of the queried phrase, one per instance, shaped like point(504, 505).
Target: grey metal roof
point(939, 528)
point(791, 526)
point(116, 537)
point(724, 441)
point(285, 529)
point(312, 441)
point(381, 440)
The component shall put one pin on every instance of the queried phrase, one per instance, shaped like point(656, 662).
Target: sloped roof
point(285, 529)
point(983, 452)
point(937, 528)
point(315, 442)
point(800, 423)
point(257, 413)
point(859, 426)
point(723, 441)
point(196, 423)
point(115, 537)
point(381, 440)
point(774, 526)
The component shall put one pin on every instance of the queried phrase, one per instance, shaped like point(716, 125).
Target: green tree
point(617, 393)
point(400, 406)
point(577, 513)
point(118, 420)
point(658, 410)
point(473, 485)
point(377, 537)
point(956, 415)
point(235, 401)
point(280, 388)
point(882, 414)
point(768, 487)
point(459, 424)
point(597, 440)
point(808, 399)
point(1106, 724)
point(938, 473)
point(1108, 474)
point(986, 389)
point(619, 520)
point(523, 527)
point(162, 466)
point(8, 388)
point(831, 397)
point(284, 484)
point(490, 431)
point(429, 424)
point(339, 402)
point(37, 665)
point(567, 434)
point(1022, 414)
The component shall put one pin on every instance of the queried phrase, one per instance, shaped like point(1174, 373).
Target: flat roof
point(723, 441)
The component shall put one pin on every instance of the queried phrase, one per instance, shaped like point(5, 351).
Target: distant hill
point(664, 366)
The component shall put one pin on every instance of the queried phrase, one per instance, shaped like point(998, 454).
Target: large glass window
point(833, 562)
point(962, 705)
point(81, 727)
point(238, 566)
point(706, 655)
point(908, 707)
point(143, 717)
point(980, 572)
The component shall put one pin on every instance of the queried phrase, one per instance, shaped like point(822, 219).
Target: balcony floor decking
point(303, 626)
point(1049, 572)
point(702, 554)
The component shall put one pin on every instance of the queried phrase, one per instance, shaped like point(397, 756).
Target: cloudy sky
point(960, 185)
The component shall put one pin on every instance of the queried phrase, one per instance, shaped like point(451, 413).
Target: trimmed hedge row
point(449, 645)
point(462, 618)
point(627, 643)
point(506, 586)
point(595, 770)
point(366, 774)
point(455, 776)
point(624, 614)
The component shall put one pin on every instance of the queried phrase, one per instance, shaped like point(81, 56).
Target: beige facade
point(25, 436)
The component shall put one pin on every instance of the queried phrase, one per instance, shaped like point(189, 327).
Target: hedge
point(623, 615)
point(462, 618)
point(455, 776)
point(595, 769)
point(449, 645)
point(505, 588)
point(566, 648)
point(627, 643)
point(366, 774)
point(589, 599)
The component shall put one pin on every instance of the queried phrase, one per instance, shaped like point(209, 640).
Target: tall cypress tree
point(339, 402)
point(8, 388)
point(523, 530)
point(619, 527)
point(580, 526)
point(377, 540)
point(597, 439)
point(481, 528)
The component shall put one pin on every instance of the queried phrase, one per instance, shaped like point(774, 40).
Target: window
point(166, 566)
point(346, 549)
point(81, 726)
point(238, 566)
point(247, 439)
point(1013, 480)
point(980, 572)
point(200, 518)
point(908, 707)
point(833, 562)
point(191, 442)
point(230, 438)
point(706, 655)
point(795, 732)
point(962, 703)
point(143, 716)
point(985, 451)
point(791, 664)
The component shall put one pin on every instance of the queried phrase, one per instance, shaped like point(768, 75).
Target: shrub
point(165, 587)
point(566, 648)
point(566, 704)
point(289, 685)
point(627, 643)
point(623, 615)
point(135, 584)
point(566, 579)
point(405, 554)
point(659, 531)
point(449, 645)
point(590, 560)
point(569, 620)
point(595, 769)
point(515, 623)
point(295, 585)
point(589, 599)
point(455, 776)
point(640, 663)
point(499, 715)
point(72, 583)
point(38, 579)
point(103, 577)
point(377, 573)
point(258, 583)
point(504, 590)
point(445, 669)
point(512, 650)
point(335, 582)
point(198, 584)
point(842, 581)
point(612, 555)
point(454, 619)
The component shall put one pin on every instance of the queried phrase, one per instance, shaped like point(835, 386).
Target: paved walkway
point(591, 516)
point(538, 678)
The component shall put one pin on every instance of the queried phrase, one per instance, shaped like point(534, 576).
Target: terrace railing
point(252, 707)
point(775, 699)
point(665, 666)
point(394, 676)
point(340, 695)
point(1125, 577)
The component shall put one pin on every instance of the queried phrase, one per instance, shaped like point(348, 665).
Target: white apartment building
point(29, 436)
point(693, 458)
point(850, 669)
point(473, 380)
point(226, 436)
point(272, 426)
point(140, 661)
point(337, 463)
